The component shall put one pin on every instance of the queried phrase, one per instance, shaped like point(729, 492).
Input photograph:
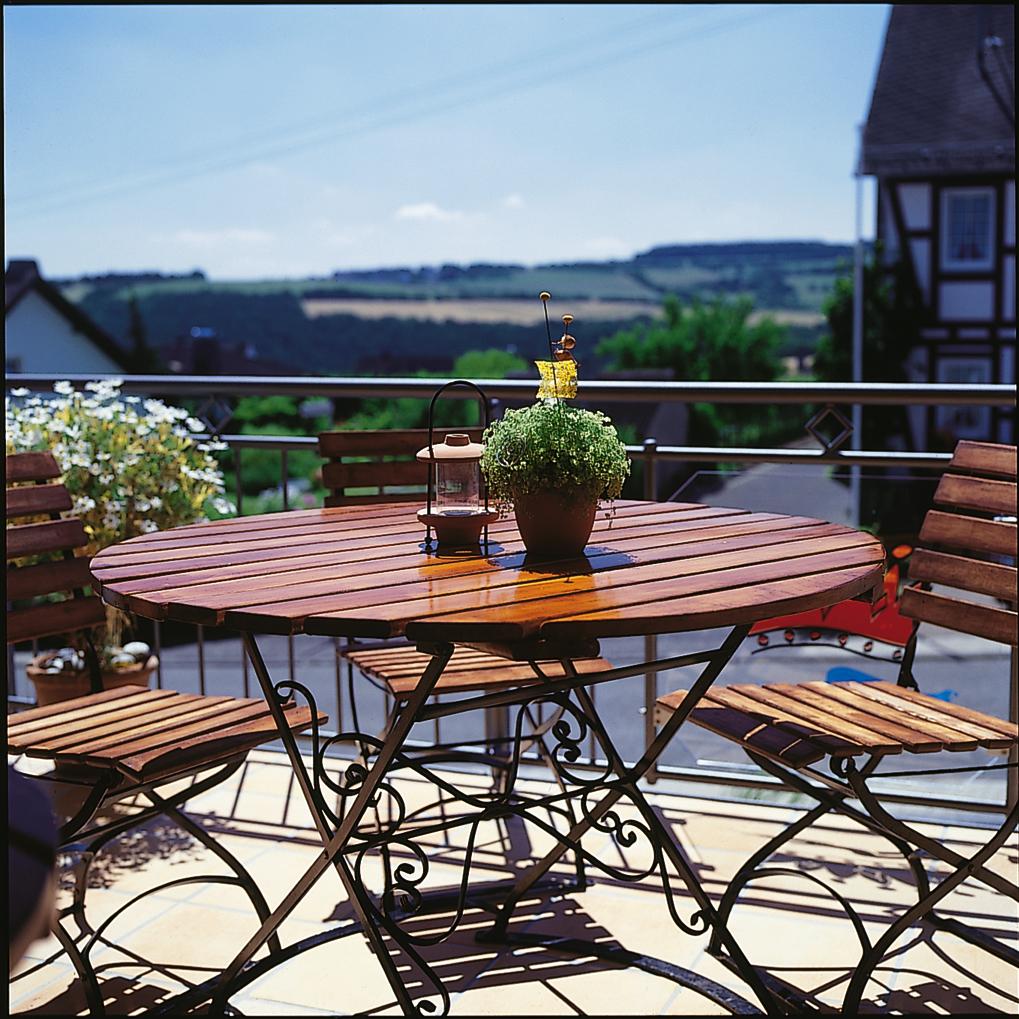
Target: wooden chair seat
point(399, 669)
point(800, 723)
point(147, 734)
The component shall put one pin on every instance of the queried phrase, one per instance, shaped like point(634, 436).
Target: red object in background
point(880, 621)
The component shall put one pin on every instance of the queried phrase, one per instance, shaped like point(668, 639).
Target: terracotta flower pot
point(555, 524)
point(53, 687)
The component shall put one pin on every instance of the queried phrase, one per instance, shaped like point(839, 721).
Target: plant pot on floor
point(555, 524)
point(53, 687)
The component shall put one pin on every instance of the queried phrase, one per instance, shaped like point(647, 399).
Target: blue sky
point(284, 141)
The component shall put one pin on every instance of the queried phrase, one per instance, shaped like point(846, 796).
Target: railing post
point(651, 640)
point(650, 461)
point(1012, 774)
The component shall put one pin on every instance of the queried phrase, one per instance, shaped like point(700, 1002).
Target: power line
point(323, 136)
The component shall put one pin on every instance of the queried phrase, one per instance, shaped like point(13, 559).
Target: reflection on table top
point(361, 571)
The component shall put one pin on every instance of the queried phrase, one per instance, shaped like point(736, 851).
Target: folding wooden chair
point(968, 544)
point(124, 744)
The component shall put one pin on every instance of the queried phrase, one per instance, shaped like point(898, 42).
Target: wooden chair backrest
point(379, 461)
point(967, 544)
point(34, 489)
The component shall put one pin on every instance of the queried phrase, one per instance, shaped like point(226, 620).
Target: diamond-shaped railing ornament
point(216, 413)
point(837, 441)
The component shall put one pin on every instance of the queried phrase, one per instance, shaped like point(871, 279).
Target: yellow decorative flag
point(558, 379)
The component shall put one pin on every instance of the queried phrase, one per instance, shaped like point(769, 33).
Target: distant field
point(525, 313)
point(519, 312)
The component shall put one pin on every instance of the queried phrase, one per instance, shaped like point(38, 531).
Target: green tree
point(143, 359)
point(707, 343)
point(892, 315)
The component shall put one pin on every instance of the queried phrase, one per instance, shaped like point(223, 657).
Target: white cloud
point(513, 201)
point(219, 238)
point(427, 212)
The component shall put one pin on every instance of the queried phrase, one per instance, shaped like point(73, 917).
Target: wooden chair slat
point(363, 500)
point(375, 474)
point(49, 536)
point(830, 700)
point(770, 740)
point(185, 710)
point(26, 500)
point(860, 734)
point(795, 721)
point(79, 707)
point(81, 724)
point(929, 710)
point(998, 461)
point(955, 614)
point(54, 618)
point(48, 578)
point(232, 713)
point(975, 575)
point(850, 693)
point(40, 466)
point(968, 533)
point(406, 441)
point(237, 737)
point(61, 734)
point(982, 494)
point(1008, 729)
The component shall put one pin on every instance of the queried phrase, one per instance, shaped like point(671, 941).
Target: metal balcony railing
point(820, 397)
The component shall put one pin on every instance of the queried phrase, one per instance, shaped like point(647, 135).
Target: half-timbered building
point(940, 139)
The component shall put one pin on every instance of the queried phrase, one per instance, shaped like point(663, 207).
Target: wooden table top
point(360, 571)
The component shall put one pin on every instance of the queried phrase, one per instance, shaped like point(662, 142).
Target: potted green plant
point(554, 463)
point(131, 465)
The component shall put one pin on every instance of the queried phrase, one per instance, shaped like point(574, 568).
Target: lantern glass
point(457, 487)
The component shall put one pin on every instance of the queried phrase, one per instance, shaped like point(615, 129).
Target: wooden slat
point(974, 575)
point(365, 500)
point(236, 737)
point(503, 595)
point(47, 578)
point(957, 711)
point(334, 593)
point(50, 536)
point(988, 458)
point(830, 699)
point(795, 721)
point(855, 734)
point(968, 533)
point(54, 618)
point(960, 492)
point(31, 467)
point(674, 612)
point(26, 500)
point(966, 617)
point(117, 719)
point(929, 709)
point(852, 694)
point(77, 706)
point(382, 442)
point(374, 474)
point(769, 740)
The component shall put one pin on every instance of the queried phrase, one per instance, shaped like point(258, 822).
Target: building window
point(12, 364)
point(964, 422)
point(967, 229)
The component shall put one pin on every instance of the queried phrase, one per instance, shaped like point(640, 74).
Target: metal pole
point(856, 439)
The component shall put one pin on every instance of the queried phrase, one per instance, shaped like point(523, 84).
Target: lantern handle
point(483, 400)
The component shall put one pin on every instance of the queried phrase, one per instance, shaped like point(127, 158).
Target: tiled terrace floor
point(787, 923)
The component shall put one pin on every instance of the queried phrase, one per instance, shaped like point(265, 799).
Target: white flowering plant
point(131, 465)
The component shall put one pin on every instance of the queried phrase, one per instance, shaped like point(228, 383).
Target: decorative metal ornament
point(559, 374)
point(457, 507)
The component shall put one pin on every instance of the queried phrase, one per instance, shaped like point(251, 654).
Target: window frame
point(948, 264)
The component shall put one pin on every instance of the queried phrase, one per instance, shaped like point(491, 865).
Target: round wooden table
point(361, 571)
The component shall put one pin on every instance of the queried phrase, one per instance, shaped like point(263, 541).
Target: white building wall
point(39, 339)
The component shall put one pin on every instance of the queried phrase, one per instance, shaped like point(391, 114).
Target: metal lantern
point(457, 508)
